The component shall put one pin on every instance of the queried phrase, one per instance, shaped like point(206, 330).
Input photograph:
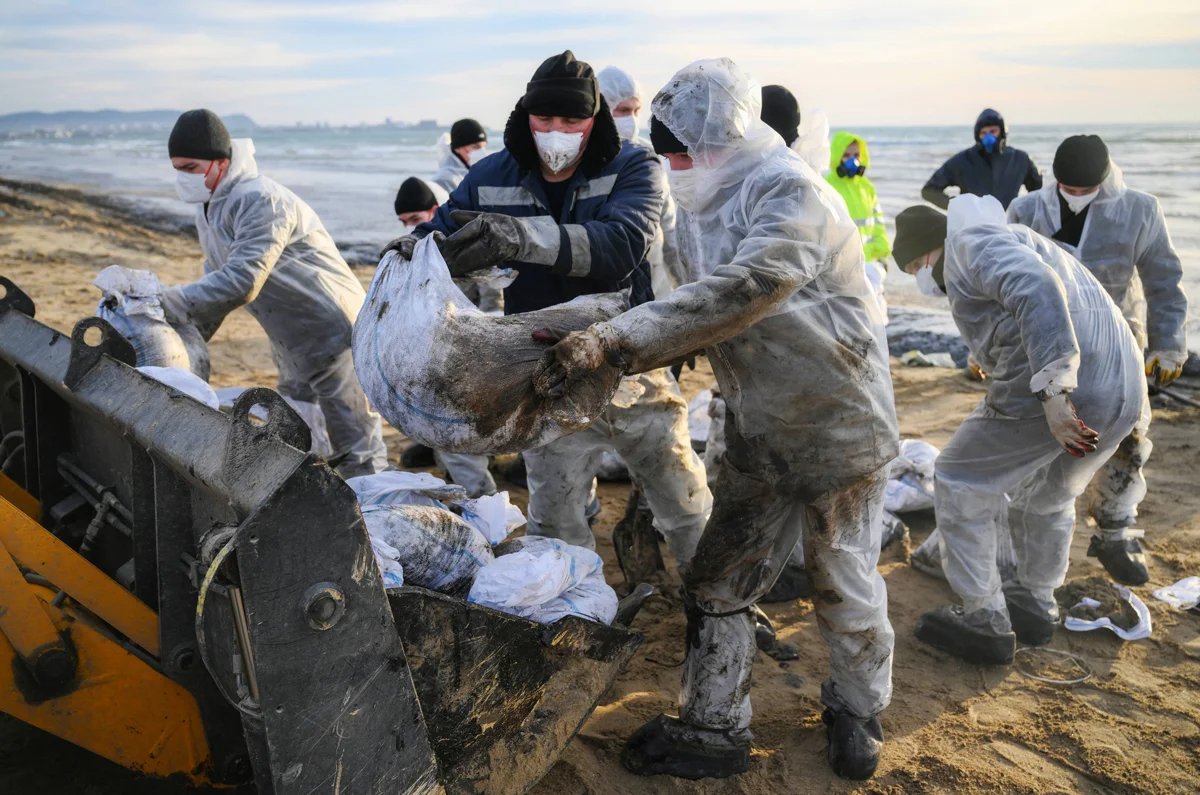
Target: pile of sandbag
point(131, 304)
point(909, 487)
point(427, 533)
point(453, 378)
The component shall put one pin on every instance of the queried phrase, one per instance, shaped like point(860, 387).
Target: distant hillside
point(105, 120)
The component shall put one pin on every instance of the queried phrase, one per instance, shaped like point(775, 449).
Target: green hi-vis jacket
point(860, 197)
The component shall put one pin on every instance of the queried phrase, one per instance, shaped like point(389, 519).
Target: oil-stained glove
point(404, 246)
point(174, 306)
point(1165, 366)
point(1066, 427)
point(573, 356)
point(487, 239)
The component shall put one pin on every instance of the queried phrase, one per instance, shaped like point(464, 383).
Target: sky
point(868, 63)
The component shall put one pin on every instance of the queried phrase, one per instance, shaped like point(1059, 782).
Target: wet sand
point(1133, 727)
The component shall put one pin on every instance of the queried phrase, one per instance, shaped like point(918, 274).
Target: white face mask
point(683, 188)
point(1078, 203)
point(558, 149)
point(926, 283)
point(627, 127)
point(191, 187)
point(475, 155)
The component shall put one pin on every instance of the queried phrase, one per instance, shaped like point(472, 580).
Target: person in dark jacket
point(989, 168)
point(573, 210)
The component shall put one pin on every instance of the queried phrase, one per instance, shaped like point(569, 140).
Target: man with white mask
point(573, 209)
point(1120, 235)
point(780, 301)
point(265, 249)
point(1065, 387)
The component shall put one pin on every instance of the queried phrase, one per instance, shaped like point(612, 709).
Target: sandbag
point(453, 378)
point(544, 579)
point(131, 304)
point(492, 514)
point(184, 381)
point(435, 548)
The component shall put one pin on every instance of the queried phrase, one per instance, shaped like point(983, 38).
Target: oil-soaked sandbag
point(456, 379)
point(436, 548)
point(131, 304)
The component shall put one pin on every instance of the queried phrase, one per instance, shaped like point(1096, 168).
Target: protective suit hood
point(837, 148)
point(617, 85)
point(968, 211)
point(242, 165)
point(989, 117)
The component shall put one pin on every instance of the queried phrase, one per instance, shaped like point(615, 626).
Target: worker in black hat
point(989, 168)
point(464, 146)
point(1120, 235)
point(416, 202)
point(573, 209)
point(265, 249)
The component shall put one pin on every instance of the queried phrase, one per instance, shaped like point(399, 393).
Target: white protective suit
point(1126, 246)
point(779, 299)
point(265, 249)
point(451, 169)
point(1034, 318)
point(666, 272)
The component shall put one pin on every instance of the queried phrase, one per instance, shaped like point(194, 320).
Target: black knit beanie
point(663, 140)
point(562, 86)
point(781, 112)
point(919, 230)
point(465, 132)
point(1081, 161)
point(200, 134)
point(414, 196)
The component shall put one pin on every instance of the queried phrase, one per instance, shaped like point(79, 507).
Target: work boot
point(1031, 623)
point(793, 583)
point(417, 455)
point(1123, 558)
point(927, 559)
point(514, 472)
point(854, 744)
point(978, 638)
point(667, 746)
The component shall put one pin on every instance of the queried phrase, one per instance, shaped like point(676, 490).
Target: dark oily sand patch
point(1112, 606)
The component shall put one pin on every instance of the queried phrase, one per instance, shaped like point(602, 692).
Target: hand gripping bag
point(454, 378)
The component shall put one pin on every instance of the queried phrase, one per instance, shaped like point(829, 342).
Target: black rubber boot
point(854, 744)
point(667, 746)
point(1030, 623)
point(1123, 558)
point(948, 629)
point(417, 455)
point(793, 583)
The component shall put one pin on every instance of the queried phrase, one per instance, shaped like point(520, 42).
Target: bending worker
point(784, 310)
point(265, 249)
point(573, 209)
point(989, 168)
point(1066, 387)
point(1120, 235)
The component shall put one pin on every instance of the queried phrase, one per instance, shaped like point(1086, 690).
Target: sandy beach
point(1134, 726)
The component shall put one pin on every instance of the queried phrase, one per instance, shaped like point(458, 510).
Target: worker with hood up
point(849, 160)
point(459, 150)
point(265, 249)
point(989, 168)
point(574, 209)
point(779, 300)
point(624, 97)
point(1120, 235)
point(1065, 387)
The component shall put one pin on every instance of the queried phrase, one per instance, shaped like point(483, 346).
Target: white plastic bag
point(453, 378)
point(698, 416)
point(544, 579)
point(435, 548)
point(131, 304)
point(1138, 631)
point(186, 382)
point(1183, 595)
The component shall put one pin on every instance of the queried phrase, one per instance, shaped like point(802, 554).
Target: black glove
point(404, 246)
point(483, 240)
